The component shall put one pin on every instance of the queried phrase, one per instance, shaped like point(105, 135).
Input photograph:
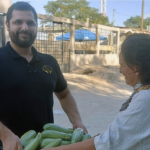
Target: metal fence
point(49, 41)
point(63, 38)
point(2, 30)
point(85, 41)
point(1, 37)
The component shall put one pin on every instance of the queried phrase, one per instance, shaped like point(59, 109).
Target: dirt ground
point(99, 92)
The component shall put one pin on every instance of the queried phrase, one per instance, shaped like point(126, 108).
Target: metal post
point(62, 46)
point(113, 16)
point(87, 21)
point(72, 44)
point(142, 14)
point(118, 42)
point(43, 26)
point(97, 39)
point(2, 24)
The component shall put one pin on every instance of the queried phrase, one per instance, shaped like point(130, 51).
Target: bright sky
point(124, 9)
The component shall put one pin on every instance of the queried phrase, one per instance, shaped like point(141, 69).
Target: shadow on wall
point(103, 59)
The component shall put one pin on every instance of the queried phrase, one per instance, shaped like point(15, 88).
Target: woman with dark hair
point(130, 130)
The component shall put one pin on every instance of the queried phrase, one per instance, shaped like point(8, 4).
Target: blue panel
point(83, 35)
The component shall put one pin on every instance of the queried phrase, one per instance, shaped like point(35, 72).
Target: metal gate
point(48, 41)
point(2, 30)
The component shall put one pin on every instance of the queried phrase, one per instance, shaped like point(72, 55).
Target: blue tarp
point(81, 35)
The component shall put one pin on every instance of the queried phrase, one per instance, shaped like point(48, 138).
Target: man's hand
point(11, 142)
point(80, 125)
point(9, 139)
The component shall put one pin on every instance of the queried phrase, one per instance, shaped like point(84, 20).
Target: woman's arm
point(85, 145)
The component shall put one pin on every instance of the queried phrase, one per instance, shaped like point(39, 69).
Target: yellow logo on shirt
point(47, 69)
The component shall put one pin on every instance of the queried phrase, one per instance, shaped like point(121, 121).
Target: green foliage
point(77, 9)
point(135, 22)
point(146, 22)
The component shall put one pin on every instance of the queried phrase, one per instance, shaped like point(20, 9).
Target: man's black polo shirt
point(26, 90)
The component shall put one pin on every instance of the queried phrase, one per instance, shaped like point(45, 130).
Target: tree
point(77, 9)
point(146, 22)
point(135, 22)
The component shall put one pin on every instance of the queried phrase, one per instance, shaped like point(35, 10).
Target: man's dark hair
point(136, 51)
point(22, 6)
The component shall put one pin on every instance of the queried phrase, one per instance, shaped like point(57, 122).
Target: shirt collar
point(14, 54)
point(137, 86)
point(36, 55)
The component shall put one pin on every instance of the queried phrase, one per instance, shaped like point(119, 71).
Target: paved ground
point(99, 92)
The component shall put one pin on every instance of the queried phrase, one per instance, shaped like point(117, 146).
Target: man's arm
point(70, 107)
point(9, 139)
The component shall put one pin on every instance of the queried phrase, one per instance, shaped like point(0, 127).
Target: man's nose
point(25, 26)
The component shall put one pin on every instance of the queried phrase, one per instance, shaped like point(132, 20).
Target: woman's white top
point(130, 130)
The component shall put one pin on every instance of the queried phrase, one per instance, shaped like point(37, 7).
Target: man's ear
point(7, 25)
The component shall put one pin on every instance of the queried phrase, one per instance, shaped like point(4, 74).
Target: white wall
point(4, 5)
point(102, 59)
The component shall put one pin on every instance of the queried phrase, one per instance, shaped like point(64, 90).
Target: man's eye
point(18, 22)
point(31, 23)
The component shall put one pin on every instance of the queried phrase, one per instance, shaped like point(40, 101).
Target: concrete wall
point(4, 5)
point(102, 59)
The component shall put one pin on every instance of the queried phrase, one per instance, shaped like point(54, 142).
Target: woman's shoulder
point(143, 95)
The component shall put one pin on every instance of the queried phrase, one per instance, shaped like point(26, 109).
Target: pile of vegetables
point(52, 136)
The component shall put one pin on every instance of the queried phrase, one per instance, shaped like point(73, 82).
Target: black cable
point(121, 14)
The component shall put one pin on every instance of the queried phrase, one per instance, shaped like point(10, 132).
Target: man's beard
point(22, 43)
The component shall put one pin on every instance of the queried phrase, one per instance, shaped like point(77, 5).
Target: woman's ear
point(136, 69)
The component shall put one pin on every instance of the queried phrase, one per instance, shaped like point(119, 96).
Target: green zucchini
point(27, 136)
point(65, 142)
point(86, 136)
point(51, 126)
point(77, 135)
point(45, 142)
point(55, 135)
point(55, 143)
point(70, 135)
point(33, 145)
point(29, 142)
